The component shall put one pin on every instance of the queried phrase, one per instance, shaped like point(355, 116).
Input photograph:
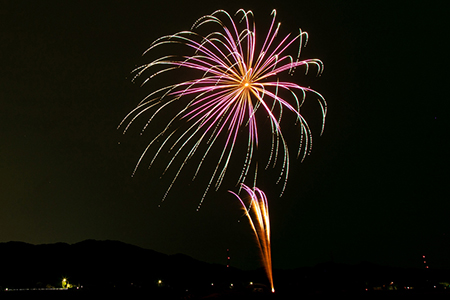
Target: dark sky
point(373, 189)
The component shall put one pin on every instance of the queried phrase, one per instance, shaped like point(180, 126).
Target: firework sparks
point(234, 78)
point(257, 212)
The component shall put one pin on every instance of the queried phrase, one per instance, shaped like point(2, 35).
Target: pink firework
point(233, 78)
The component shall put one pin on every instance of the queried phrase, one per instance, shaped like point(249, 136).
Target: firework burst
point(257, 212)
point(235, 78)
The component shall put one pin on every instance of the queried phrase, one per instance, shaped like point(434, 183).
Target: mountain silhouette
point(102, 264)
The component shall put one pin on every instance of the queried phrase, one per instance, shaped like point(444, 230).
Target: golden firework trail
point(257, 212)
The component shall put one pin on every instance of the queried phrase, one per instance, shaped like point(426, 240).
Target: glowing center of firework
point(246, 84)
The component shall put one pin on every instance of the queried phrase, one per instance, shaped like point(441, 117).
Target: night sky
point(373, 188)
